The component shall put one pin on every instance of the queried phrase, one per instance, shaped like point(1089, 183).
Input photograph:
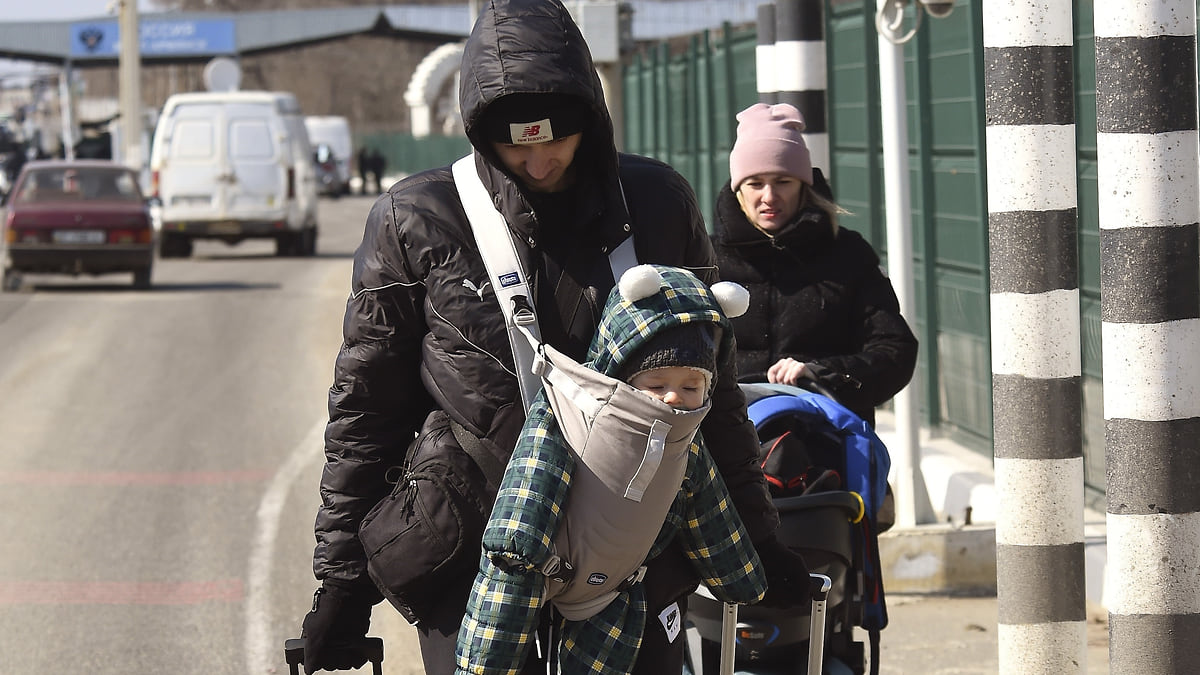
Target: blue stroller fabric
point(867, 466)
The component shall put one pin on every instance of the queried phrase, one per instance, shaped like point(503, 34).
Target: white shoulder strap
point(504, 268)
point(622, 258)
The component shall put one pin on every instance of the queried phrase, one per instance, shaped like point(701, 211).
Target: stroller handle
point(850, 502)
point(805, 383)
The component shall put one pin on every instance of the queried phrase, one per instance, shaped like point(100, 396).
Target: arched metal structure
point(428, 81)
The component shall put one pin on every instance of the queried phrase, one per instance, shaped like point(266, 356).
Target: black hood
point(528, 47)
point(534, 47)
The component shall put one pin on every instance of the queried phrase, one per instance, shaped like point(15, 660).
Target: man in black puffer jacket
point(425, 343)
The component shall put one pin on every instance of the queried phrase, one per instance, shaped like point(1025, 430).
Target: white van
point(233, 166)
point(334, 132)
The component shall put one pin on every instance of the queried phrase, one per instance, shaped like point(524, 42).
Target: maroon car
point(77, 217)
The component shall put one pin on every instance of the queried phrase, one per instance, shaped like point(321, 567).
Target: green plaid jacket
point(508, 594)
point(509, 591)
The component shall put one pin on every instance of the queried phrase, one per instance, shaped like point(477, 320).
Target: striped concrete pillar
point(800, 75)
point(764, 54)
point(1036, 358)
point(1149, 210)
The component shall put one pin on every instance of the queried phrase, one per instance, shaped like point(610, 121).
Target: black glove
point(788, 583)
point(339, 619)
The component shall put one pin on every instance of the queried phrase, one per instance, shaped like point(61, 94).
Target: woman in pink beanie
point(820, 308)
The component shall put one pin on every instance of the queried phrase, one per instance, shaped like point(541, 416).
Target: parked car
point(77, 217)
point(328, 182)
point(234, 165)
point(333, 131)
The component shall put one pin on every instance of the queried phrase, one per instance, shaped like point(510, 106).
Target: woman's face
point(770, 200)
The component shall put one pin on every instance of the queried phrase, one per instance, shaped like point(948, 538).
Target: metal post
point(764, 54)
point(1148, 179)
point(912, 499)
point(66, 106)
point(800, 75)
point(129, 82)
point(1036, 355)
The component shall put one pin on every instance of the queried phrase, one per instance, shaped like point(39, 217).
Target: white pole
point(129, 83)
point(912, 500)
point(66, 105)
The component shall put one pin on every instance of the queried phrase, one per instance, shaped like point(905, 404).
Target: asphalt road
point(159, 457)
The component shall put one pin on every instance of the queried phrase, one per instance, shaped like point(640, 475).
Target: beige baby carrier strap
point(631, 453)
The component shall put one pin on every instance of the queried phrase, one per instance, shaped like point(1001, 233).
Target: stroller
point(828, 475)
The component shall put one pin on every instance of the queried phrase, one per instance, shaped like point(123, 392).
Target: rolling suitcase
point(370, 647)
point(816, 631)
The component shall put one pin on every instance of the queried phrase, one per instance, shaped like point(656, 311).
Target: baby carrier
point(828, 476)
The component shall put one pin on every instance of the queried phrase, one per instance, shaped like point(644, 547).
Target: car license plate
point(224, 227)
point(78, 237)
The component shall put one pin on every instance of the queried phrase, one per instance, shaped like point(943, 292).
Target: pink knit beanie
point(769, 141)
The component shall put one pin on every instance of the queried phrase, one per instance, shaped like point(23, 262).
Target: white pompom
point(639, 282)
point(733, 298)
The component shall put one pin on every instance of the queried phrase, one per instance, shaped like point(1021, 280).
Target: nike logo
point(477, 290)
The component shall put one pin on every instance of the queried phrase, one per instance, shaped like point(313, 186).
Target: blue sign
point(158, 37)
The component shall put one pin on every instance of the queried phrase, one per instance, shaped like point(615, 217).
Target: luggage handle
point(370, 647)
point(821, 585)
point(728, 637)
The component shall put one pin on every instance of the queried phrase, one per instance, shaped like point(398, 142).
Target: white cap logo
point(531, 132)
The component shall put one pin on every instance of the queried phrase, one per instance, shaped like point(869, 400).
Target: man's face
point(541, 167)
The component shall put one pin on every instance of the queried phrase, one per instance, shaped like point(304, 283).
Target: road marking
point(126, 478)
point(119, 592)
point(261, 652)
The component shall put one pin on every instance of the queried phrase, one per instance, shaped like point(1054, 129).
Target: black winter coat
point(423, 330)
point(819, 298)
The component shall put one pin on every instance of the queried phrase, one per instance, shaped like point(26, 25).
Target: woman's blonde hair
point(808, 195)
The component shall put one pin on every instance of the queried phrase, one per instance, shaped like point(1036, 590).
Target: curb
point(939, 559)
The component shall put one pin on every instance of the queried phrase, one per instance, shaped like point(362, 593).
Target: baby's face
point(679, 387)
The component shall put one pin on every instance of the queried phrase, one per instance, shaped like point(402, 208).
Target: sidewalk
point(957, 635)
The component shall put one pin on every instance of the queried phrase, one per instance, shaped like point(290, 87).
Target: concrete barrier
point(943, 559)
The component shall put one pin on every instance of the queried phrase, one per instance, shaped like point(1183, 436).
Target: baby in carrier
point(609, 469)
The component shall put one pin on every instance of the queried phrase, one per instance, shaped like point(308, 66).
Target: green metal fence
point(405, 154)
point(669, 92)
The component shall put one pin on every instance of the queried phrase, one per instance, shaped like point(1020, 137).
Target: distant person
point(364, 168)
point(820, 307)
point(14, 162)
point(660, 338)
point(378, 166)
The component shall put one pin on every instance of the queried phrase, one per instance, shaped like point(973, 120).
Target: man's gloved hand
point(339, 618)
point(788, 582)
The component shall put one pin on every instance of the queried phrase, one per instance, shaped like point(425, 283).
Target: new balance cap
point(520, 119)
